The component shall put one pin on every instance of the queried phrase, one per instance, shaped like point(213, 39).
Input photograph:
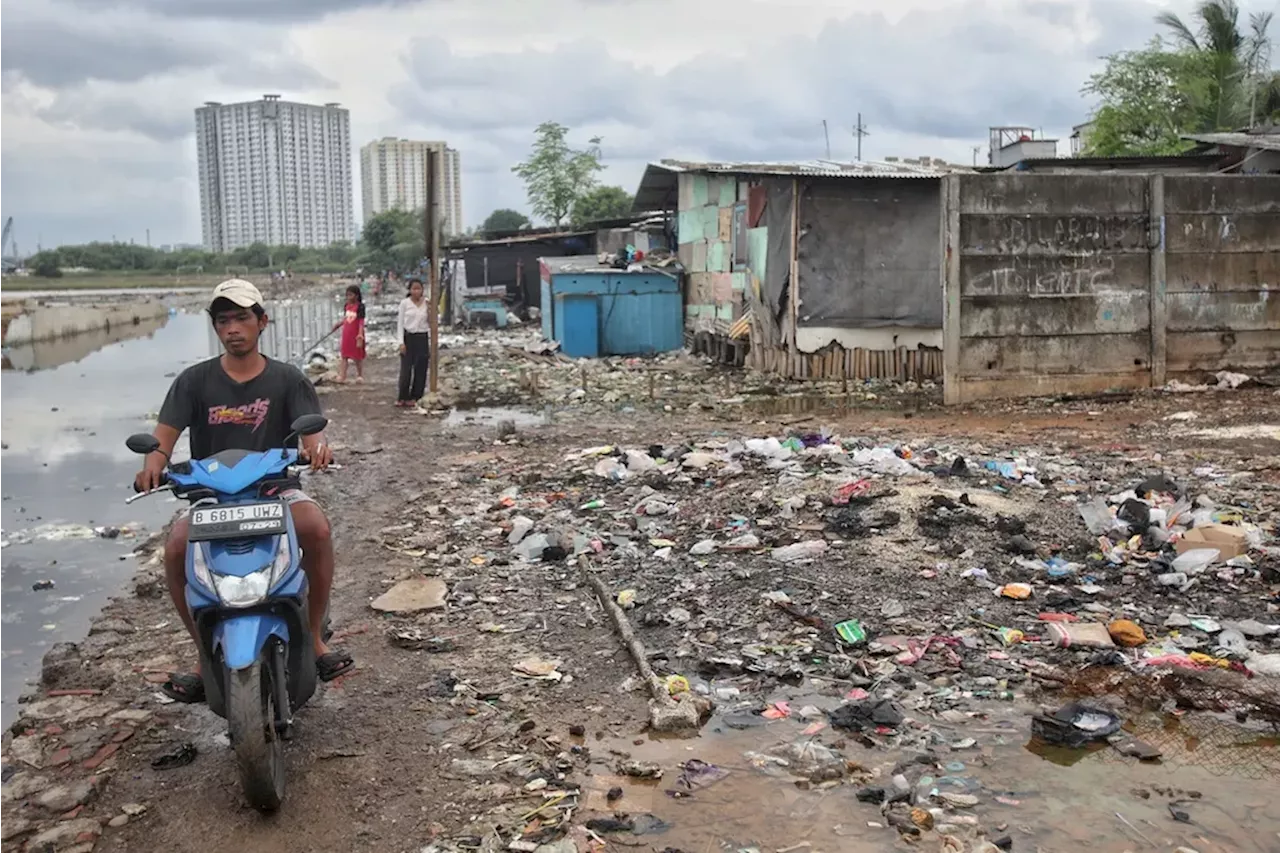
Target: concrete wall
point(49, 322)
point(1222, 268)
point(1085, 283)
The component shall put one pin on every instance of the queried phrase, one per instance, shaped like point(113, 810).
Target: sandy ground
point(385, 759)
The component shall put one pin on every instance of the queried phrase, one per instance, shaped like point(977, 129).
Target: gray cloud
point(89, 110)
point(945, 74)
point(276, 11)
point(56, 54)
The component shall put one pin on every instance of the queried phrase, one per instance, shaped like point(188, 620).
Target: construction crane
point(5, 261)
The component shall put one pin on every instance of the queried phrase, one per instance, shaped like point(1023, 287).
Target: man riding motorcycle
point(245, 401)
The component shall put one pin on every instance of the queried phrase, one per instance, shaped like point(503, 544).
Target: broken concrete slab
point(412, 596)
point(63, 836)
point(15, 826)
point(63, 798)
point(69, 709)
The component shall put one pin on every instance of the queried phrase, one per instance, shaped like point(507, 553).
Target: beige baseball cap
point(237, 291)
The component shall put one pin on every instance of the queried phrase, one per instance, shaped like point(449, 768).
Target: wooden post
point(431, 225)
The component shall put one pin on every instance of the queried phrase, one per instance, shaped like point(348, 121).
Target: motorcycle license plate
point(224, 522)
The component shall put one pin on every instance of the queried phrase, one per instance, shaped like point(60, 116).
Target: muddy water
point(1218, 772)
point(66, 470)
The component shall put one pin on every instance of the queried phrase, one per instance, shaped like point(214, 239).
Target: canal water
point(67, 407)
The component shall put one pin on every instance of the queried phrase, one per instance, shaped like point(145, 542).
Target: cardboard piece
point(1092, 635)
point(1230, 541)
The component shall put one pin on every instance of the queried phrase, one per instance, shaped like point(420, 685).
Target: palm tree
point(1235, 64)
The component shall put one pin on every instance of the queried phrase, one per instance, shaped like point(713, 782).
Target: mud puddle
point(1214, 773)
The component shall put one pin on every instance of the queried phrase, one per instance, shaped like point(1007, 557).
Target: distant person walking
point(413, 323)
point(352, 325)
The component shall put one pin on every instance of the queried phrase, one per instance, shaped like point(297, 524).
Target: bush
point(47, 269)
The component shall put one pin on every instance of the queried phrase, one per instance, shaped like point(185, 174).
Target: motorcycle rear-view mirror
point(309, 424)
point(142, 443)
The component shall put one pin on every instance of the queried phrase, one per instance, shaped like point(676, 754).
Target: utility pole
point(826, 136)
point(860, 130)
point(431, 227)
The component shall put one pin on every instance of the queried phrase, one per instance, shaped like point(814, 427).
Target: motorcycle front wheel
point(259, 749)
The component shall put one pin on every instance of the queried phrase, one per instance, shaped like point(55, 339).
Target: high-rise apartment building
point(274, 172)
point(393, 176)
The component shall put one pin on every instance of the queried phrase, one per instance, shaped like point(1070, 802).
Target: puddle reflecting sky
point(64, 461)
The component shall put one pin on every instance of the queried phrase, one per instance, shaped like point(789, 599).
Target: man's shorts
point(289, 496)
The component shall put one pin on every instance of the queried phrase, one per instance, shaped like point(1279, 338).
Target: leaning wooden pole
point(665, 713)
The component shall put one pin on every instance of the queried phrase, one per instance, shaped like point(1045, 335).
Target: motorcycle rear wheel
point(259, 750)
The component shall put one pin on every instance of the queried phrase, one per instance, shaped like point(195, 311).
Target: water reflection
point(43, 355)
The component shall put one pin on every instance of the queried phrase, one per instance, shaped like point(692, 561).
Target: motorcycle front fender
point(242, 638)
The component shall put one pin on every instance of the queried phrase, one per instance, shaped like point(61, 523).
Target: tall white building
point(274, 172)
point(393, 175)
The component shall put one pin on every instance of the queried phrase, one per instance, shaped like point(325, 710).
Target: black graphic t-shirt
point(223, 414)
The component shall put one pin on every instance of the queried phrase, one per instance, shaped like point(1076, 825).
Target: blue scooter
point(248, 595)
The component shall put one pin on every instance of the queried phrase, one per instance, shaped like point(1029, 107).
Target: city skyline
point(276, 172)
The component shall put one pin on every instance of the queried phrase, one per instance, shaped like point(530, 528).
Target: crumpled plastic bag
point(882, 460)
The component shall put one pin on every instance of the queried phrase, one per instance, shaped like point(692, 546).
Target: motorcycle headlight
point(252, 588)
point(243, 592)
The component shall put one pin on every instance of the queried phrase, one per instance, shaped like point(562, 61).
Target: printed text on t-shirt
point(251, 414)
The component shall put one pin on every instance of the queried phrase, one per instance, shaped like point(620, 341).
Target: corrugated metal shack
point(595, 310)
point(510, 260)
point(828, 269)
point(1254, 151)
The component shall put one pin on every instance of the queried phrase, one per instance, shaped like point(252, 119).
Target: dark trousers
point(413, 366)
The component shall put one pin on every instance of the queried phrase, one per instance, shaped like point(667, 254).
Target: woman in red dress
point(352, 326)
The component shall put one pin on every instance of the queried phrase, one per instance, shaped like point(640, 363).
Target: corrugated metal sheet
point(1269, 141)
point(658, 186)
point(816, 168)
point(638, 313)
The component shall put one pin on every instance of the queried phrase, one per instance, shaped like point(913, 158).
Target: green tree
point(602, 203)
point(1235, 64)
point(555, 175)
point(1146, 102)
point(505, 219)
point(379, 233)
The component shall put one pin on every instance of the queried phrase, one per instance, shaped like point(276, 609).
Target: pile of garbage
point(748, 564)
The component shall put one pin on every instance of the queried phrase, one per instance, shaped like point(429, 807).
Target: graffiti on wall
point(1044, 276)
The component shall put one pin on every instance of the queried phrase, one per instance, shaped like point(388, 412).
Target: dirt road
point(419, 747)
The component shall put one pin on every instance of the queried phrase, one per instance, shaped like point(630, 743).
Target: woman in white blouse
point(412, 327)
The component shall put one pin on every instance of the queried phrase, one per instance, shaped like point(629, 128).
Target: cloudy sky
point(98, 95)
